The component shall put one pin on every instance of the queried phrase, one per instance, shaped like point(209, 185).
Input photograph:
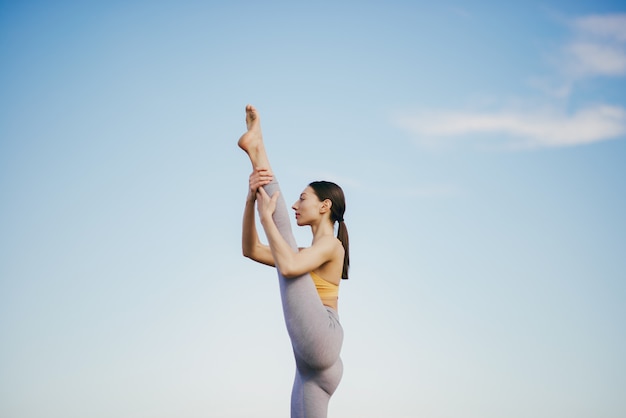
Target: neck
point(322, 229)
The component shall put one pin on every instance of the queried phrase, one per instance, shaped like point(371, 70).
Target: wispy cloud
point(605, 26)
point(521, 128)
point(592, 58)
point(596, 48)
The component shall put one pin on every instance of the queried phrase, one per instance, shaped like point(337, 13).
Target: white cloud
point(604, 26)
point(531, 128)
point(597, 47)
point(593, 58)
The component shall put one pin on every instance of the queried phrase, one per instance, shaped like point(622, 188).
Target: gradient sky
point(482, 149)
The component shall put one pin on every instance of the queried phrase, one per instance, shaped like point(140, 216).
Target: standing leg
point(313, 389)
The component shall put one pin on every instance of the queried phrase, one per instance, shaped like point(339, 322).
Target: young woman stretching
point(309, 278)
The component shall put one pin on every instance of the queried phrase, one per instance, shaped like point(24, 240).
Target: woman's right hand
point(259, 177)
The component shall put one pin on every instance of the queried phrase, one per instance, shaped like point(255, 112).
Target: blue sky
point(481, 147)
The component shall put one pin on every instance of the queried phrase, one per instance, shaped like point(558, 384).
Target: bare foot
point(253, 138)
point(252, 141)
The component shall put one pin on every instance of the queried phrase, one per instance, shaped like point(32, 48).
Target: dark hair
point(328, 190)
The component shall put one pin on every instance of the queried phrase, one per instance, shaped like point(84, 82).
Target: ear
point(326, 205)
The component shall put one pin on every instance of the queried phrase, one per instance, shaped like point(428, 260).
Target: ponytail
point(342, 235)
point(328, 190)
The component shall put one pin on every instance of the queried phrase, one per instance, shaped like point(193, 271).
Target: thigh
point(315, 332)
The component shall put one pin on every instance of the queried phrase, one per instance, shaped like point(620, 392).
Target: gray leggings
point(315, 332)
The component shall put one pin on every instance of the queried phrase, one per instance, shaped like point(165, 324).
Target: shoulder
point(327, 247)
point(332, 247)
point(328, 242)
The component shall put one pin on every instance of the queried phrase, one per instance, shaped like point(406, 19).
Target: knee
point(328, 379)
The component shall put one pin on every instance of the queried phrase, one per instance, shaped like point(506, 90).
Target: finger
point(264, 172)
point(262, 192)
point(271, 205)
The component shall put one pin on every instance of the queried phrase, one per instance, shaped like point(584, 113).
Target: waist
point(330, 302)
point(327, 291)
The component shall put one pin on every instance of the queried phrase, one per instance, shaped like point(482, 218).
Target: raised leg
point(252, 143)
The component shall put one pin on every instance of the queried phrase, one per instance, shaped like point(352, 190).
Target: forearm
point(284, 256)
point(249, 236)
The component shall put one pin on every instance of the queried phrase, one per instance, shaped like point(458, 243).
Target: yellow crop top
point(329, 292)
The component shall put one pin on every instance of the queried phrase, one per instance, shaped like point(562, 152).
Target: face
point(307, 207)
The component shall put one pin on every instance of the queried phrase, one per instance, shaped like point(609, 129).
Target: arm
point(292, 264)
point(250, 243)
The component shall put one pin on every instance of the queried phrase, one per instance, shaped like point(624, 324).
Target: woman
point(309, 278)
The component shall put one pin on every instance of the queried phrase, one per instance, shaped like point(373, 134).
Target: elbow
point(247, 252)
point(288, 272)
point(288, 275)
